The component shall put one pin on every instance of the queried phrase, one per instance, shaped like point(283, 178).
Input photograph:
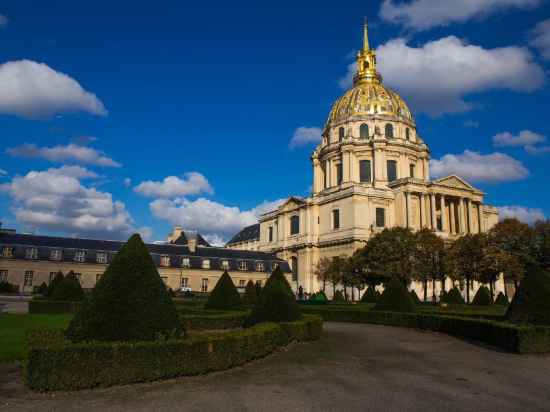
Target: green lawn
point(13, 328)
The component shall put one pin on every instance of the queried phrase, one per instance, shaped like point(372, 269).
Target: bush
point(454, 297)
point(501, 300)
point(319, 297)
point(276, 303)
point(414, 297)
point(213, 321)
point(52, 306)
point(58, 278)
point(250, 294)
point(57, 364)
point(130, 301)
point(338, 297)
point(225, 295)
point(531, 303)
point(395, 298)
point(69, 290)
point(6, 287)
point(482, 297)
point(42, 289)
point(370, 295)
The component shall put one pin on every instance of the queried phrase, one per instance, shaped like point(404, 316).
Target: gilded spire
point(366, 36)
point(366, 62)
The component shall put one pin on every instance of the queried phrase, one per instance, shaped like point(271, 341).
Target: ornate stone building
point(371, 171)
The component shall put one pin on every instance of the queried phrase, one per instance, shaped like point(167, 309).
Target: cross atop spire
point(366, 61)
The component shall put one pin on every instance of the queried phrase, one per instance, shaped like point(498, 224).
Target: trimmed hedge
point(213, 321)
point(482, 297)
point(513, 338)
point(501, 300)
point(53, 306)
point(395, 298)
point(54, 363)
point(453, 297)
point(68, 290)
point(371, 295)
point(225, 295)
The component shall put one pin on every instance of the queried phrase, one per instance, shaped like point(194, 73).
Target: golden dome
point(368, 96)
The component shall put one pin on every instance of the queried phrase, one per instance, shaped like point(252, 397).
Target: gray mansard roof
point(249, 233)
point(69, 246)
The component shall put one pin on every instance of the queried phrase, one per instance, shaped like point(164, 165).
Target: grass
point(13, 328)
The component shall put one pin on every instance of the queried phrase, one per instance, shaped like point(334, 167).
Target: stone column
point(317, 172)
point(461, 215)
point(408, 206)
point(452, 221)
point(422, 202)
point(468, 215)
point(443, 214)
point(479, 219)
point(432, 209)
point(345, 167)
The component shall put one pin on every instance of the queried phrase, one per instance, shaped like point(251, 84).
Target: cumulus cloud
point(475, 167)
point(127, 182)
point(521, 213)
point(425, 14)
point(34, 90)
point(3, 172)
point(435, 77)
point(193, 183)
point(64, 154)
point(527, 139)
point(57, 200)
point(540, 38)
point(212, 219)
point(304, 136)
point(3, 21)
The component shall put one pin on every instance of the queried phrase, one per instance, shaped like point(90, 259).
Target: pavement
point(353, 367)
point(14, 303)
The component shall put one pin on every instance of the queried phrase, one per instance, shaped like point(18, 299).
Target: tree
point(250, 297)
point(483, 297)
point(542, 244)
point(276, 303)
point(69, 289)
point(322, 271)
point(395, 298)
point(494, 262)
point(43, 289)
point(466, 254)
point(370, 296)
point(58, 278)
point(414, 297)
point(501, 300)
point(531, 303)
point(225, 295)
point(129, 302)
point(453, 297)
point(338, 297)
point(336, 270)
point(429, 258)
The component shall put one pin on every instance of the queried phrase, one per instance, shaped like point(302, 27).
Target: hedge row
point(57, 364)
point(52, 306)
point(513, 338)
point(213, 321)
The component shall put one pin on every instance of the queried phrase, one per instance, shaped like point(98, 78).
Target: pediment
point(291, 203)
point(455, 182)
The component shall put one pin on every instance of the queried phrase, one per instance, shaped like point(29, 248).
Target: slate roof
point(69, 246)
point(182, 240)
point(249, 233)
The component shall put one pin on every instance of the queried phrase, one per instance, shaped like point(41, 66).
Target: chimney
point(176, 232)
point(191, 241)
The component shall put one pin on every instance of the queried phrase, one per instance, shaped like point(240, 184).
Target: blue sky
point(101, 103)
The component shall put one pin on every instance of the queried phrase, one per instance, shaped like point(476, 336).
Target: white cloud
point(3, 172)
point(436, 77)
point(475, 167)
point(193, 183)
point(304, 136)
point(521, 213)
point(3, 21)
point(127, 182)
point(540, 38)
point(527, 139)
point(425, 14)
point(63, 154)
point(535, 150)
point(34, 90)
point(212, 219)
point(56, 200)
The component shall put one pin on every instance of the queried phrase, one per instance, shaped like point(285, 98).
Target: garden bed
point(57, 364)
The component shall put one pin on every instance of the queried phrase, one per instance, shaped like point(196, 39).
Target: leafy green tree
point(531, 303)
point(395, 298)
point(483, 297)
point(336, 271)
point(322, 271)
point(250, 297)
point(225, 295)
point(429, 259)
point(466, 255)
point(69, 289)
point(129, 302)
point(338, 297)
point(495, 262)
point(58, 278)
point(542, 244)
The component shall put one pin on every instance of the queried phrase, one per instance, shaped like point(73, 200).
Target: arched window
point(408, 134)
point(341, 134)
point(364, 131)
point(389, 130)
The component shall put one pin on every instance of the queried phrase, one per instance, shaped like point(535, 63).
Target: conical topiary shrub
point(319, 297)
point(225, 295)
point(414, 297)
point(69, 289)
point(250, 297)
point(395, 298)
point(531, 303)
point(57, 279)
point(338, 297)
point(129, 303)
point(277, 302)
point(370, 295)
point(43, 289)
point(501, 300)
point(482, 297)
point(453, 297)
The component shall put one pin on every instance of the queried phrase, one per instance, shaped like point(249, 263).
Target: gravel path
point(354, 367)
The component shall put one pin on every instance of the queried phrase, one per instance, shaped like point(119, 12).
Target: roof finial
point(366, 35)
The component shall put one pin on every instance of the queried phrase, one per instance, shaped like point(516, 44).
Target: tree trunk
point(345, 293)
point(492, 293)
point(333, 289)
point(352, 294)
point(324, 285)
point(467, 290)
point(425, 284)
point(434, 297)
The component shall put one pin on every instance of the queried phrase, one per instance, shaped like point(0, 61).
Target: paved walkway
point(14, 303)
point(353, 368)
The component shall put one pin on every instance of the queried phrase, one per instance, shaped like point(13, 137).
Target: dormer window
point(260, 267)
point(7, 252)
point(243, 265)
point(80, 256)
point(55, 254)
point(165, 260)
point(225, 264)
point(206, 263)
point(185, 262)
point(101, 257)
point(31, 253)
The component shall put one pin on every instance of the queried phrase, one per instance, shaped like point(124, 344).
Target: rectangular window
point(294, 225)
point(270, 233)
point(184, 282)
point(339, 170)
point(365, 171)
point(55, 254)
point(225, 264)
point(243, 265)
point(31, 253)
point(336, 219)
point(380, 217)
point(242, 283)
point(206, 263)
point(7, 252)
point(101, 257)
point(204, 285)
point(185, 263)
point(411, 170)
point(165, 260)
point(80, 256)
point(260, 266)
point(3, 275)
point(29, 274)
point(392, 170)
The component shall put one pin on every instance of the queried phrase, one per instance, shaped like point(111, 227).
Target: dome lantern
point(366, 62)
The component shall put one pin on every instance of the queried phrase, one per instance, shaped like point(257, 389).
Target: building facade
point(371, 171)
point(185, 260)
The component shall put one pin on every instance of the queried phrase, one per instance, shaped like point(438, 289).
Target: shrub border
point(57, 364)
point(53, 306)
point(213, 321)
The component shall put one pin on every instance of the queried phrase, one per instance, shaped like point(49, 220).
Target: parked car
point(186, 289)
